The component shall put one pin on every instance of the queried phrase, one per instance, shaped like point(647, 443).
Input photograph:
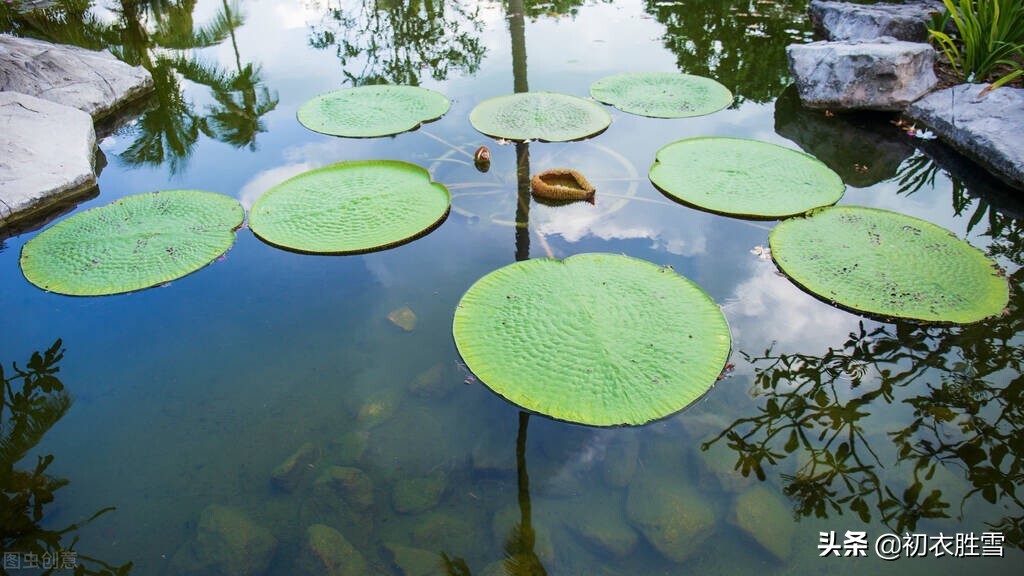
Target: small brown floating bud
point(482, 159)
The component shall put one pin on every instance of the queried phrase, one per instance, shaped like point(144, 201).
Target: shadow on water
point(33, 400)
point(159, 35)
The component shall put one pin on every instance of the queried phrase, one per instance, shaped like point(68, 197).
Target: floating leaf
point(133, 243)
point(369, 111)
point(744, 177)
point(350, 207)
point(543, 116)
point(598, 339)
point(888, 264)
point(662, 94)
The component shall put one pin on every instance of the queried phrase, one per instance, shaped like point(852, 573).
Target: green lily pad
point(350, 207)
point(133, 243)
point(545, 116)
point(889, 264)
point(597, 339)
point(744, 177)
point(370, 111)
point(662, 94)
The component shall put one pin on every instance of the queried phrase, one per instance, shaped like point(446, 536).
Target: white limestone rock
point(46, 155)
point(94, 82)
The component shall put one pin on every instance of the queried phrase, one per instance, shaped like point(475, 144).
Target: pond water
point(188, 395)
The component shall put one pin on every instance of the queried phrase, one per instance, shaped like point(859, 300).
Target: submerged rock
point(885, 74)
point(227, 543)
point(718, 468)
point(672, 516)
point(95, 82)
point(604, 529)
point(404, 318)
point(620, 459)
point(350, 447)
point(415, 561)
point(431, 383)
point(46, 155)
point(328, 553)
point(442, 531)
point(377, 410)
point(849, 21)
point(762, 515)
point(987, 128)
point(350, 484)
point(288, 474)
point(416, 495)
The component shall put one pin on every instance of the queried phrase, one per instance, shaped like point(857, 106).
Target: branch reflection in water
point(32, 401)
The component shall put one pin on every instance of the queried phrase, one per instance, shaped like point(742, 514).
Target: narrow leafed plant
point(989, 36)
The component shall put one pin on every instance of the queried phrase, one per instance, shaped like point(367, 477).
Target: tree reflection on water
point(32, 401)
point(398, 41)
point(740, 44)
point(965, 391)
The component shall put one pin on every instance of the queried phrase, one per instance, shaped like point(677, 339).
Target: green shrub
point(989, 33)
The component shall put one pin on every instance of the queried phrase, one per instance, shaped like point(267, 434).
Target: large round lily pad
point(743, 177)
point(546, 116)
point(369, 111)
point(662, 94)
point(350, 207)
point(888, 264)
point(134, 243)
point(597, 339)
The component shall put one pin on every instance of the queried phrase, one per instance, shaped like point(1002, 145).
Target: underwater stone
point(884, 74)
point(765, 517)
point(46, 155)
point(328, 553)
point(415, 561)
point(848, 21)
point(416, 495)
point(377, 410)
point(620, 458)
point(94, 82)
point(718, 468)
point(404, 318)
point(673, 517)
point(349, 448)
point(442, 531)
point(288, 474)
point(431, 383)
point(351, 484)
point(605, 530)
point(988, 129)
point(227, 543)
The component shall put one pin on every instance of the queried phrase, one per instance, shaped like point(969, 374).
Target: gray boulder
point(886, 74)
point(46, 155)
point(987, 128)
point(849, 21)
point(94, 82)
